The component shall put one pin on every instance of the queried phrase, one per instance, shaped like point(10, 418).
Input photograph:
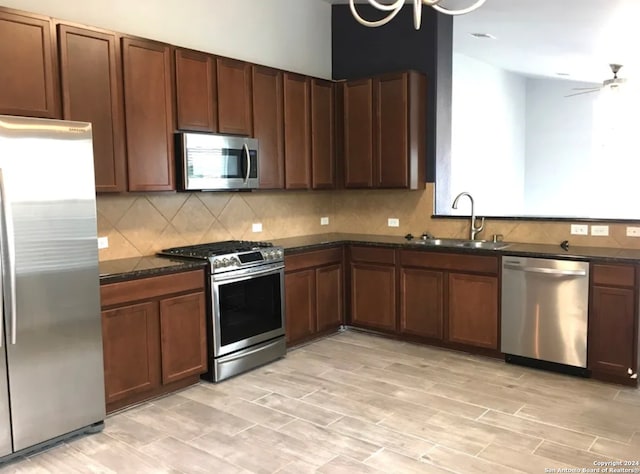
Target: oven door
point(248, 307)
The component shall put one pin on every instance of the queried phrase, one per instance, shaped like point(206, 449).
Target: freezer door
point(54, 341)
point(5, 420)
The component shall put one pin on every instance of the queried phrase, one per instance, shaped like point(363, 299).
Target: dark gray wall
point(358, 51)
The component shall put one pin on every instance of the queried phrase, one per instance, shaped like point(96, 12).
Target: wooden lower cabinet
point(154, 336)
point(313, 294)
point(450, 298)
point(300, 305)
point(183, 336)
point(421, 302)
point(131, 350)
point(329, 299)
point(373, 288)
point(612, 347)
point(473, 310)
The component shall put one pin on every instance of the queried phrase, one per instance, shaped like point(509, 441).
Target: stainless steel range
point(245, 327)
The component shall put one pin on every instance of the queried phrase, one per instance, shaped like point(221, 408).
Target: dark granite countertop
point(123, 269)
point(318, 241)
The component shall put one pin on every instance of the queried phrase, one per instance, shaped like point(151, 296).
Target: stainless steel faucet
point(474, 230)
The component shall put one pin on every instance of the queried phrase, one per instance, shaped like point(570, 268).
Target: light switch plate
point(324, 221)
point(633, 231)
point(103, 242)
point(602, 230)
point(256, 227)
point(579, 229)
point(393, 222)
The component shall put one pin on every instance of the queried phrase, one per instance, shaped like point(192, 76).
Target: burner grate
point(215, 248)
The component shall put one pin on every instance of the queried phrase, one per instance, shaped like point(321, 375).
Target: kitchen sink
point(460, 243)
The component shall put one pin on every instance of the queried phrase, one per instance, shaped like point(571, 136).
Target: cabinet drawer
point(315, 258)
point(373, 255)
point(613, 275)
point(450, 261)
point(152, 287)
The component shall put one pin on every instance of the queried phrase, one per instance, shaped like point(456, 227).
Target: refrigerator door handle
point(10, 262)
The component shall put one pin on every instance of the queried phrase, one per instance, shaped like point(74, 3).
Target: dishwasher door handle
point(548, 271)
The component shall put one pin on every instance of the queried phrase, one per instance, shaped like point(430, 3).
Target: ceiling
point(545, 37)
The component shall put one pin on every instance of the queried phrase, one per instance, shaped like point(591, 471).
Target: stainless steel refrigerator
point(51, 366)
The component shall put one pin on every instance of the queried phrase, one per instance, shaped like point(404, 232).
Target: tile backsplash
point(141, 224)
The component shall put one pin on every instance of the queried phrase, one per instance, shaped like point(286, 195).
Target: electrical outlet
point(633, 231)
point(256, 227)
point(103, 242)
point(393, 222)
point(579, 229)
point(602, 230)
point(324, 221)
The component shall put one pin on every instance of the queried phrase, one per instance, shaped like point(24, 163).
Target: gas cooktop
point(230, 254)
point(212, 249)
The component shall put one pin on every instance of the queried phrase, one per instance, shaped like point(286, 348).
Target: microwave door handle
point(248, 163)
point(8, 246)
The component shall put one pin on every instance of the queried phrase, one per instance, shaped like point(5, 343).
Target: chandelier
point(394, 7)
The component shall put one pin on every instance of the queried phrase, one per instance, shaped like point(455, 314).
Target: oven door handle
point(248, 276)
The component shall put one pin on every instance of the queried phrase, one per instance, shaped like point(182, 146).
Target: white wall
point(294, 35)
point(487, 137)
point(559, 147)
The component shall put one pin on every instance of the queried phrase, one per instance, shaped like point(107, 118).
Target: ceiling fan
point(611, 84)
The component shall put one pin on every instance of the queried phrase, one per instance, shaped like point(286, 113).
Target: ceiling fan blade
point(583, 92)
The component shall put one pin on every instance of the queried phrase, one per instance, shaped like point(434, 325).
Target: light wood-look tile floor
point(357, 403)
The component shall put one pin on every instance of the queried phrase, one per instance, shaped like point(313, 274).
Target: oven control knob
point(216, 263)
point(225, 262)
point(279, 253)
point(267, 255)
point(235, 261)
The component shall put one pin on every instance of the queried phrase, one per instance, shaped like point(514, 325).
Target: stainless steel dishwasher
point(544, 310)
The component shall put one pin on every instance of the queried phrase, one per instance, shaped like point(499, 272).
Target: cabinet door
point(28, 66)
point(91, 78)
point(373, 296)
point(611, 331)
point(196, 92)
point(323, 174)
point(148, 98)
point(392, 150)
point(473, 310)
point(300, 305)
point(131, 345)
point(234, 96)
point(297, 130)
point(358, 134)
point(183, 336)
point(329, 300)
point(268, 125)
point(421, 302)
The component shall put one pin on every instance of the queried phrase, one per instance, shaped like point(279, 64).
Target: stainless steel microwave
point(210, 162)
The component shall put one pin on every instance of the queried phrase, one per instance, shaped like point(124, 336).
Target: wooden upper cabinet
point(28, 73)
point(268, 125)
point(196, 91)
point(323, 173)
point(234, 96)
point(148, 96)
point(91, 80)
point(392, 127)
point(358, 133)
point(297, 132)
point(401, 101)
